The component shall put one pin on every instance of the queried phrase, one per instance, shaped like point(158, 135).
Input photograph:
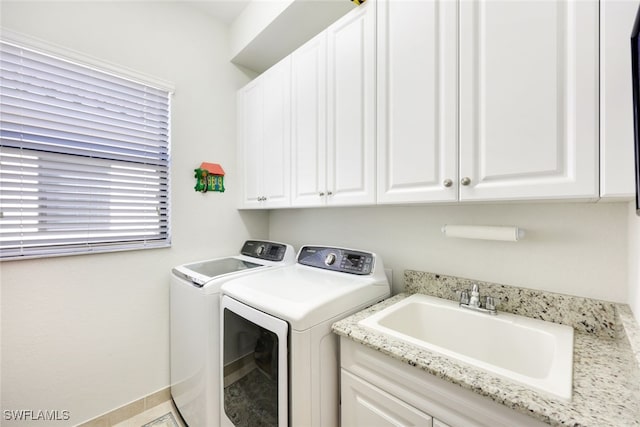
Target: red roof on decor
point(212, 168)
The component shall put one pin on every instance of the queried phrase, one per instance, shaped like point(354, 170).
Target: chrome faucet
point(471, 300)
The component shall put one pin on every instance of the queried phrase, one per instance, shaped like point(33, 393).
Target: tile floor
point(155, 417)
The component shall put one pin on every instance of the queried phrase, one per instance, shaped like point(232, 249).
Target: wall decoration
point(209, 177)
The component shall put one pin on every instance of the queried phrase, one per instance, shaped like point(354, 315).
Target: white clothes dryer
point(195, 329)
point(279, 357)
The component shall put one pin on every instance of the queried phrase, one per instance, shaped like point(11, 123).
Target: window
point(84, 158)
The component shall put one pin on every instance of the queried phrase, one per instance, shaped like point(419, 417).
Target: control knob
point(330, 259)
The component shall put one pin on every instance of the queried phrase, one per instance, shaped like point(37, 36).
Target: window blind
point(84, 158)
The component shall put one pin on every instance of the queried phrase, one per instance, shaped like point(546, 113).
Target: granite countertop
point(606, 375)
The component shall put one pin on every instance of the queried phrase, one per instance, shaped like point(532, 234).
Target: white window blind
point(84, 158)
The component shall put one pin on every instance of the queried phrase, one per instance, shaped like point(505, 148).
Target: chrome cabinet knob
point(465, 181)
point(329, 193)
point(321, 193)
point(447, 183)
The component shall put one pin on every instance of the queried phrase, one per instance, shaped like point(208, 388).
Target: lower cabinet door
point(364, 405)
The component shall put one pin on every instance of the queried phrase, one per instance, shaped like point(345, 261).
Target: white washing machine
point(280, 359)
point(195, 329)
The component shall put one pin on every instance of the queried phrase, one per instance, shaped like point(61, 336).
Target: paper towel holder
point(484, 232)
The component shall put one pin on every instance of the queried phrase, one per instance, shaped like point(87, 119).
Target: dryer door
point(255, 366)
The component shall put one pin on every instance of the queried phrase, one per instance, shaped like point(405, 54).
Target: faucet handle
point(490, 303)
point(475, 289)
point(464, 297)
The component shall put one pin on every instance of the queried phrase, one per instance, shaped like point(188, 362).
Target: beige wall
point(90, 333)
point(577, 249)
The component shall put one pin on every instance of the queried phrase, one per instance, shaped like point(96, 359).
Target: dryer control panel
point(264, 250)
point(337, 259)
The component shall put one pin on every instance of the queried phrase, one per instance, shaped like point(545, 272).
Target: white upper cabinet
point(417, 106)
point(528, 100)
point(524, 82)
point(419, 101)
point(617, 174)
point(351, 108)
point(309, 123)
point(264, 138)
point(334, 114)
point(250, 121)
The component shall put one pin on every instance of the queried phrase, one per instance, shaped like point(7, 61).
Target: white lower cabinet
point(366, 405)
point(379, 391)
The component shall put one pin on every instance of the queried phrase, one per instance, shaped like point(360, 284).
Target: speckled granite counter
point(606, 376)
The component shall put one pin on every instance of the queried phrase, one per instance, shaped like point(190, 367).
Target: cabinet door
point(617, 173)
point(417, 101)
point(309, 123)
point(351, 108)
point(276, 148)
point(264, 138)
point(250, 130)
point(364, 405)
point(528, 99)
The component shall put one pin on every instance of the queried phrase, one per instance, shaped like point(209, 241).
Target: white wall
point(578, 249)
point(634, 260)
point(90, 333)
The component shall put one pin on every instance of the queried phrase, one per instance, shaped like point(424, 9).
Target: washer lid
point(203, 271)
point(254, 254)
point(306, 296)
point(218, 267)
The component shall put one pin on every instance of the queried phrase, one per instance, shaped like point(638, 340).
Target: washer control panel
point(337, 259)
point(264, 250)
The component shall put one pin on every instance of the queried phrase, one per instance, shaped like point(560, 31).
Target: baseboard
point(129, 410)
